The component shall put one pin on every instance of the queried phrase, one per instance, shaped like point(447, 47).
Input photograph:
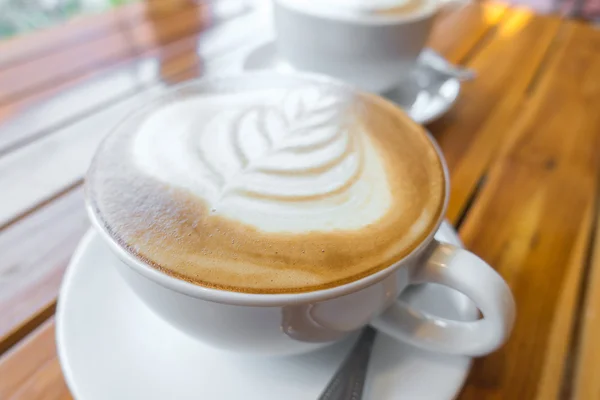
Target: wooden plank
point(21, 48)
point(35, 252)
point(22, 362)
point(531, 210)
point(46, 108)
point(34, 116)
point(19, 79)
point(22, 78)
point(82, 29)
point(586, 384)
point(155, 31)
point(57, 161)
point(460, 31)
point(46, 384)
point(475, 128)
point(32, 370)
point(561, 333)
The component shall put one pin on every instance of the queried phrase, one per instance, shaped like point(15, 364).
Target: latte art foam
point(267, 184)
point(282, 160)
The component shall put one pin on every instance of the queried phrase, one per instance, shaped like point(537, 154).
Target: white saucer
point(425, 96)
point(112, 347)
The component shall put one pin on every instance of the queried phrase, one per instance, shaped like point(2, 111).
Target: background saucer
point(111, 346)
point(425, 96)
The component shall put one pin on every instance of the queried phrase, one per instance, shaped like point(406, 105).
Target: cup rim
point(271, 299)
point(380, 20)
point(260, 299)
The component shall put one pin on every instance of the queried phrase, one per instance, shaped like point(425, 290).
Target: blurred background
point(21, 16)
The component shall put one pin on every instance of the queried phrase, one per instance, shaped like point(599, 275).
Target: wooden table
point(522, 144)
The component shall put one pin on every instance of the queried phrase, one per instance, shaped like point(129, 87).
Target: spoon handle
point(433, 60)
point(349, 381)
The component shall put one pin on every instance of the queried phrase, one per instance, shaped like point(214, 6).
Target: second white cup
point(374, 52)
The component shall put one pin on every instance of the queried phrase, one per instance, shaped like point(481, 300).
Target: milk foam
point(267, 183)
point(282, 160)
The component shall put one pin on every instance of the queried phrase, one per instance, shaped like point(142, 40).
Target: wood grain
point(158, 28)
point(461, 30)
point(82, 29)
point(30, 46)
point(22, 362)
point(534, 205)
point(561, 334)
point(475, 128)
point(48, 107)
point(46, 383)
point(56, 161)
point(33, 117)
point(27, 119)
point(118, 45)
point(586, 384)
point(35, 251)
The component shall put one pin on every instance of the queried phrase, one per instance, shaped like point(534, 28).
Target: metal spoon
point(348, 382)
point(430, 59)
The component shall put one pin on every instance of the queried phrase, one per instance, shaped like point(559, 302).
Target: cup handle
point(462, 270)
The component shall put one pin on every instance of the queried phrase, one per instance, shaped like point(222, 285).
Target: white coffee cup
point(275, 324)
point(375, 53)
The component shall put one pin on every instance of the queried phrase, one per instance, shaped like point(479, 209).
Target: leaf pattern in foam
point(305, 148)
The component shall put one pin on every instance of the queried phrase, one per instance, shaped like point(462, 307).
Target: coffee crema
point(267, 183)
